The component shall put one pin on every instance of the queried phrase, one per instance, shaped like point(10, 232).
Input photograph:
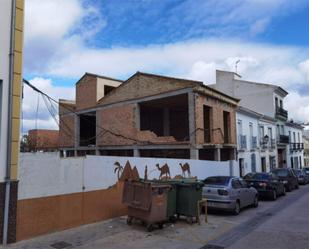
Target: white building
point(256, 146)
point(295, 157)
point(268, 100)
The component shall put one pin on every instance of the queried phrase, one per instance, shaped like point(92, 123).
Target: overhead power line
point(104, 130)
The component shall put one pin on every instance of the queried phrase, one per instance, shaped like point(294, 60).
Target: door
point(246, 193)
point(241, 167)
point(253, 162)
point(239, 192)
point(263, 164)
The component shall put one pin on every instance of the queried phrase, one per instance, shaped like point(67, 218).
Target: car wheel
point(296, 186)
point(256, 201)
point(288, 188)
point(283, 191)
point(274, 195)
point(237, 208)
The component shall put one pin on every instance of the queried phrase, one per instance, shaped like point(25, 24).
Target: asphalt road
point(284, 225)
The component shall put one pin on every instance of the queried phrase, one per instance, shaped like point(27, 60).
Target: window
point(298, 137)
point(276, 101)
point(207, 123)
point(294, 137)
point(226, 126)
point(236, 184)
point(281, 103)
point(108, 89)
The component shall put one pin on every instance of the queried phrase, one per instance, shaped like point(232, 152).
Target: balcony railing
point(296, 146)
point(242, 142)
point(283, 139)
point(253, 143)
point(264, 143)
point(281, 113)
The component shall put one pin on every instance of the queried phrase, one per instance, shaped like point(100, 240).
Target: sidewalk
point(116, 234)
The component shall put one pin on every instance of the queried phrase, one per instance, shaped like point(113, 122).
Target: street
point(280, 224)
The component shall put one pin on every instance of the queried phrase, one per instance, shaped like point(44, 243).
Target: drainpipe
point(9, 137)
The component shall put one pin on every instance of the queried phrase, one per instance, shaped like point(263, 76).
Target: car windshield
point(280, 172)
point(260, 177)
point(217, 180)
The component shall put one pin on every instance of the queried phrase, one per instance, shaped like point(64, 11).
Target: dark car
point(288, 177)
point(306, 172)
point(301, 176)
point(267, 184)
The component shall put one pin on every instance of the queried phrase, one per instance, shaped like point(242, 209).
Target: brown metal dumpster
point(147, 202)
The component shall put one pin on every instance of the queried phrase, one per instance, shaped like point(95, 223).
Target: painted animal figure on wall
point(118, 169)
point(185, 168)
point(164, 171)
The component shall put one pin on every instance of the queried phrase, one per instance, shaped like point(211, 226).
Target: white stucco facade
point(5, 28)
point(267, 100)
point(255, 154)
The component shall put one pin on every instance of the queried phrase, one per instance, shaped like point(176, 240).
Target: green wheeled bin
point(189, 193)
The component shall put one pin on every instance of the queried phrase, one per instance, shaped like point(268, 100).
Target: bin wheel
point(129, 221)
point(161, 225)
point(190, 220)
point(150, 228)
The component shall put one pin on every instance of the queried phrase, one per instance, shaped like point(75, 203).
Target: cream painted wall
point(46, 174)
point(101, 82)
point(5, 23)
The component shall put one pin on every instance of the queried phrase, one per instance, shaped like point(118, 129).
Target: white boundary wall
point(45, 174)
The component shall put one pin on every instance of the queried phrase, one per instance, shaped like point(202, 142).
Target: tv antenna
point(236, 64)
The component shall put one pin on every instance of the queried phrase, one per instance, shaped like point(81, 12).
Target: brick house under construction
point(149, 116)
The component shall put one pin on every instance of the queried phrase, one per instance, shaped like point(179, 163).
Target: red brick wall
point(67, 131)
point(144, 85)
point(86, 92)
point(121, 120)
point(217, 120)
point(44, 139)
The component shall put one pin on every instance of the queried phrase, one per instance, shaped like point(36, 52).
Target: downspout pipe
point(9, 137)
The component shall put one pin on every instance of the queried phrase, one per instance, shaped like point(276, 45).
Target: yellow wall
point(17, 81)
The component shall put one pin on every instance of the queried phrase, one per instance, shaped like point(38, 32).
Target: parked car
point(267, 185)
point(306, 171)
point(301, 176)
point(229, 193)
point(288, 177)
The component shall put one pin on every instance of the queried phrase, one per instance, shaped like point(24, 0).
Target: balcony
point(281, 113)
point(283, 139)
point(296, 146)
point(253, 143)
point(242, 142)
point(264, 143)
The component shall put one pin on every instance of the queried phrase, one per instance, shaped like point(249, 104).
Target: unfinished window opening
point(125, 153)
point(226, 126)
point(207, 123)
point(166, 117)
point(161, 153)
point(108, 89)
point(207, 154)
point(87, 129)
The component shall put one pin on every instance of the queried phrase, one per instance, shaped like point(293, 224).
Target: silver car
point(229, 193)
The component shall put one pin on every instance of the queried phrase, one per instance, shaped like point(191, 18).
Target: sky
point(180, 38)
